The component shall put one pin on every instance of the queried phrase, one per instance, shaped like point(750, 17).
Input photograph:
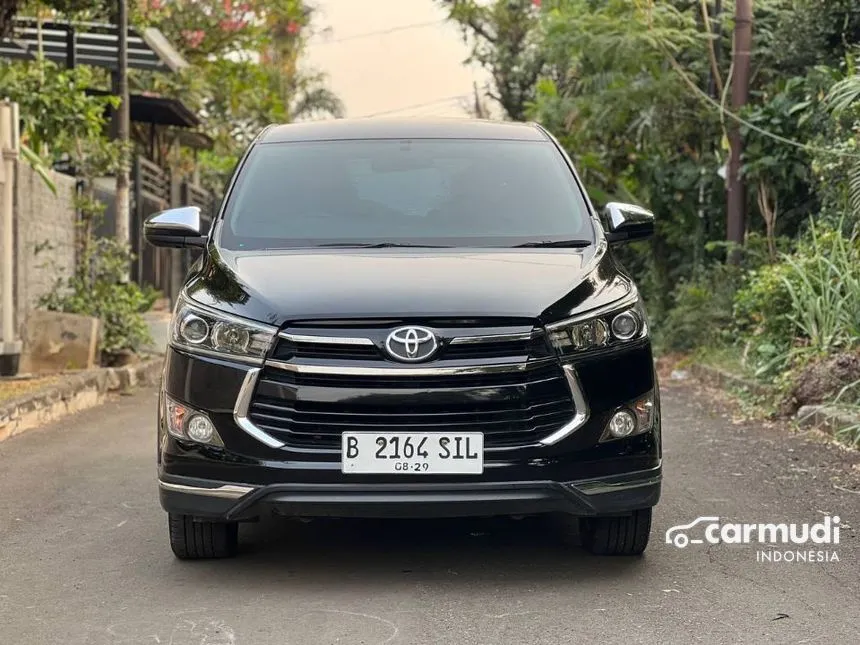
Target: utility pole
point(122, 116)
point(478, 106)
point(736, 191)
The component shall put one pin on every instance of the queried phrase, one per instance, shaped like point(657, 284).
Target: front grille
point(310, 411)
point(287, 350)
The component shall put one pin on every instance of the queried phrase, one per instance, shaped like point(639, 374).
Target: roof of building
point(90, 43)
point(452, 128)
point(158, 110)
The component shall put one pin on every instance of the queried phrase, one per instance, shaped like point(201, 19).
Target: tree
point(244, 73)
point(632, 123)
point(736, 189)
point(503, 38)
point(8, 9)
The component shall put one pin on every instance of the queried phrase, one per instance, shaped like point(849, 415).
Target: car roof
point(370, 128)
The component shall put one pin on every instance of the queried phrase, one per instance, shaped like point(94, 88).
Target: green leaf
point(39, 166)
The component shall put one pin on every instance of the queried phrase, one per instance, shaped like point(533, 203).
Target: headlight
point(201, 330)
point(613, 326)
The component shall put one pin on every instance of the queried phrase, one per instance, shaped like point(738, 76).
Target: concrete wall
point(44, 237)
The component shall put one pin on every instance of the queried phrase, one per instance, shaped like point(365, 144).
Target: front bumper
point(613, 495)
point(578, 474)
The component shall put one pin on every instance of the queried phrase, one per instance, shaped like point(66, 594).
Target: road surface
point(84, 556)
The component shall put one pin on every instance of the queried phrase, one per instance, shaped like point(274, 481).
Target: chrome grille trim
point(245, 400)
point(579, 404)
point(453, 370)
point(363, 340)
point(325, 340)
point(243, 404)
point(495, 338)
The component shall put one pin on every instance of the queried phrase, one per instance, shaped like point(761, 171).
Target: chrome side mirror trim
point(628, 222)
point(176, 227)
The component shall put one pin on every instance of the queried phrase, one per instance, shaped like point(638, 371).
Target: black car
point(407, 319)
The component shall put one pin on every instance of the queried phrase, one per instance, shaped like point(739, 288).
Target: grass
point(850, 435)
point(728, 358)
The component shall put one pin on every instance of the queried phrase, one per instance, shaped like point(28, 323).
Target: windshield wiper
point(383, 245)
point(560, 244)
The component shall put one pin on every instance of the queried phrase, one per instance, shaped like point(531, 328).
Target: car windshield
point(426, 192)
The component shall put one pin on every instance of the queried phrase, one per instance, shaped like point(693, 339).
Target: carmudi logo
point(773, 537)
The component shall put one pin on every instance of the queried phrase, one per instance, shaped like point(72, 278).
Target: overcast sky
point(405, 72)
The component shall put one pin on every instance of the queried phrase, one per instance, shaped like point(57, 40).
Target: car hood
point(279, 286)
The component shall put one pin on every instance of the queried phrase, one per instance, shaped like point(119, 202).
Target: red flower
point(231, 24)
point(293, 27)
point(194, 38)
point(536, 3)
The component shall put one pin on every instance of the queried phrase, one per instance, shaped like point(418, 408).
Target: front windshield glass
point(433, 192)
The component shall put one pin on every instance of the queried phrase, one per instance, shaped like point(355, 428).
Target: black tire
point(625, 535)
point(191, 539)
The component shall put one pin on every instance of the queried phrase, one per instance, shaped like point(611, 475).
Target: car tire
point(625, 535)
point(192, 539)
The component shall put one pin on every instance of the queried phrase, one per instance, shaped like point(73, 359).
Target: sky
point(393, 58)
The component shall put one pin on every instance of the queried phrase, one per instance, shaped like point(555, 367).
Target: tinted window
point(446, 192)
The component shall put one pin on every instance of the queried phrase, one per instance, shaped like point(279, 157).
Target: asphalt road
point(84, 555)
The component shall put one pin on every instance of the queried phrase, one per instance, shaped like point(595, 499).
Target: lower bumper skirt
point(614, 495)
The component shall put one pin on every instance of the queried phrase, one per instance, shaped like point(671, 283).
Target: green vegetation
point(244, 71)
point(98, 288)
point(638, 92)
point(243, 74)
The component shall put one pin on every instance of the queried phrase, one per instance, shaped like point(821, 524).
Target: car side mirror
point(176, 228)
point(627, 222)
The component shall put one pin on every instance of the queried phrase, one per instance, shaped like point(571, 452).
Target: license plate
point(413, 453)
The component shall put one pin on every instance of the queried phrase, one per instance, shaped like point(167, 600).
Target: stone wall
point(44, 236)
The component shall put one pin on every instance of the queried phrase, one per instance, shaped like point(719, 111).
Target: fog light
point(200, 429)
point(625, 325)
point(622, 424)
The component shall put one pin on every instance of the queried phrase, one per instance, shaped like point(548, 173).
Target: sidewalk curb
point(723, 379)
point(78, 392)
point(829, 419)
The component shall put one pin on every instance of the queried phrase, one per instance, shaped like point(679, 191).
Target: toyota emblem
point(411, 344)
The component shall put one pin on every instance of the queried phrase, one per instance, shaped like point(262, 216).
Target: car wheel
point(192, 539)
point(626, 535)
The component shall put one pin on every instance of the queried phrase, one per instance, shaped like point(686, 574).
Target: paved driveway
point(84, 555)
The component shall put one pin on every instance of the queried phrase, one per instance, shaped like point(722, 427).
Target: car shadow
point(461, 551)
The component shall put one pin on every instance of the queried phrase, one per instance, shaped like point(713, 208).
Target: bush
point(762, 305)
point(811, 298)
point(701, 313)
point(99, 288)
